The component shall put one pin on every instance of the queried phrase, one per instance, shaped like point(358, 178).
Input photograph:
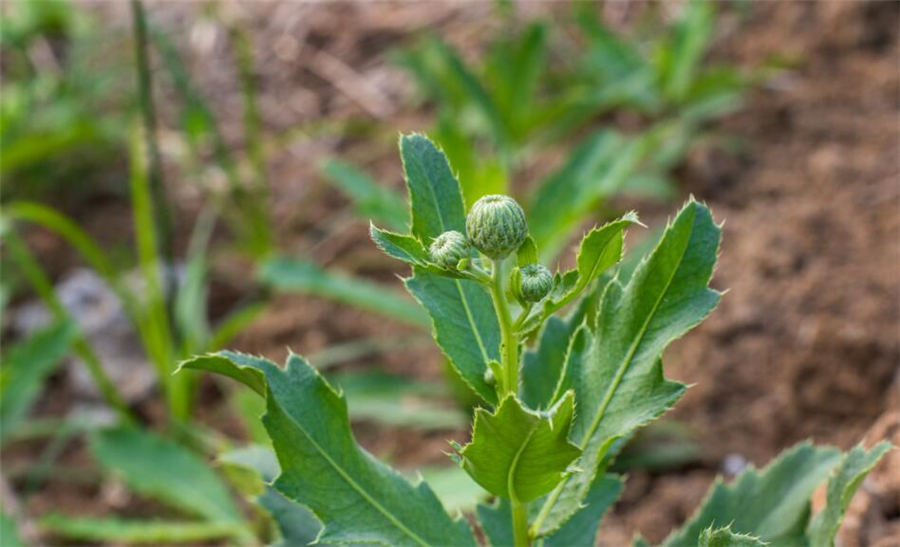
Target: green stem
point(520, 524)
point(44, 289)
point(509, 345)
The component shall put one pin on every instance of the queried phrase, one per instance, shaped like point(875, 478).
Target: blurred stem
point(44, 289)
point(163, 214)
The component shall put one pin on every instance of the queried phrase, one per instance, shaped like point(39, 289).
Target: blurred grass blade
point(41, 285)
point(153, 321)
point(296, 275)
point(136, 532)
point(364, 347)
point(693, 34)
point(9, 533)
point(86, 246)
point(233, 324)
point(394, 401)
point(202, 132)
point(191, 310)
point(372, 202)
point(296, 524)
point(166, 471)
point(25, 367)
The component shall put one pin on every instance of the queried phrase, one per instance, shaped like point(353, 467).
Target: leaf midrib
point(462, 294)
point(511, 474)
point(626, 363)
point(623, 367)
point(359, 489)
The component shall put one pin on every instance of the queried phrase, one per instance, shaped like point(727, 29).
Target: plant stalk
point(509, 346)
point(520, 524)
point(509, 384)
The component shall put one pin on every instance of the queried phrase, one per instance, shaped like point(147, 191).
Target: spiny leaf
point(402, 247)
point(620, 385)
point(842, 485)
point(772, 504)
point(359, 499)
point(410, 250)
point(465, 324)
point(435, 198)
point(724, 537)
point(601, 248)
point(520, 454)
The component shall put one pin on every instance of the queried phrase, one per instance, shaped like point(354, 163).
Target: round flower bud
point(448, 249)
point(496, 226)
point(533, 282)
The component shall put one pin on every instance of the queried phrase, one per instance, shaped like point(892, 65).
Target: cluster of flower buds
point(496, 227)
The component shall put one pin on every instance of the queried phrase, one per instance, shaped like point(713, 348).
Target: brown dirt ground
point(805, 344)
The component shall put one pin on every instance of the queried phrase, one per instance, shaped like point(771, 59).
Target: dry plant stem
point(509, 384)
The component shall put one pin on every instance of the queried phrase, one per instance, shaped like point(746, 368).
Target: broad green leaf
point(620, 386)
point(164, 470)
point(136, 532)
point(520, 454)
point(435, 198)
point(724, 537)
point(580, 531)
point(464, 321)
point(402, 247)
point(297, 275)
point(465, 326)
point(372, 201)
point(296, 524)
point(359, 499)
point(842, 485)
point(601, 248)
point(772, 504)
point(541, 367)
point(25, 366)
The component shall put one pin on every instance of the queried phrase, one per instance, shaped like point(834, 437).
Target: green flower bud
point(448, 249)
point(532, 282)
point(496, 226)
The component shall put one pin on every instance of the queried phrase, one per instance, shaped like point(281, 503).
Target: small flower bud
point(532, 282)
point(496, 226)
point(448, 249)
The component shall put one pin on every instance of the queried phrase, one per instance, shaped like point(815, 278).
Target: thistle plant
point(567, 365)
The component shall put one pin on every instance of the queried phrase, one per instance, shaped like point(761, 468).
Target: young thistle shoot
point(591, 379)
